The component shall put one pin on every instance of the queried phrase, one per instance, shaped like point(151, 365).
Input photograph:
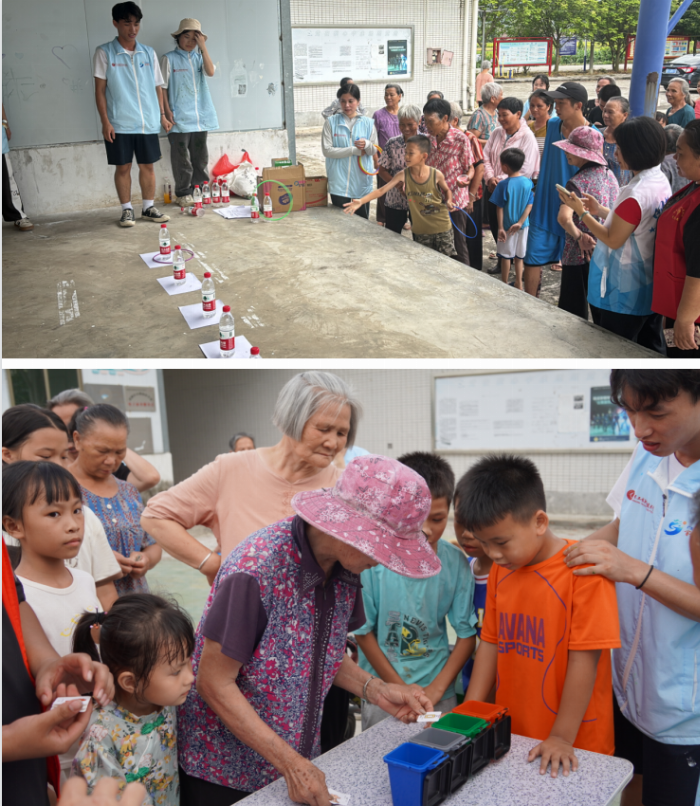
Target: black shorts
point(121, 152)
point(670, 771)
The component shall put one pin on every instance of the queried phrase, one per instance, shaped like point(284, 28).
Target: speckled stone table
point(357, 769)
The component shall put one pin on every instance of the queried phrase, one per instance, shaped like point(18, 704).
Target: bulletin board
point(520, 52)
point(530, 411)
point(325, 55)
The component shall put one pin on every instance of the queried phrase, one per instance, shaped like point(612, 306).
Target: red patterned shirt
point(453, 157)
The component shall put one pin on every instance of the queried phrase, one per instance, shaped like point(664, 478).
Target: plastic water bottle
point(164, 240)
point(179, 270)
point(255, 352)
point(166, 193)
point(197, 196)
point(215, 194)
point(195, 211)
point(254, 209)
point(267, 205)
point(208, 296)
point(225, 198)
point(227, 337)
point(206, 193)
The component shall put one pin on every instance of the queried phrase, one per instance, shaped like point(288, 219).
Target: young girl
point(146, 642)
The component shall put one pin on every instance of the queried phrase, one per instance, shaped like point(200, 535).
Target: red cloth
point(453, 157)
point(629, 211)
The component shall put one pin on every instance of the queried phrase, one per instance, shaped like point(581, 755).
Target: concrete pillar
point(648, 56)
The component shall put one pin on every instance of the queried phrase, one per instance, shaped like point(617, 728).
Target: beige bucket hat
point(190, 24)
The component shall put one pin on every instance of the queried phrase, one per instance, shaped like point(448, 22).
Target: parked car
point(687, 67)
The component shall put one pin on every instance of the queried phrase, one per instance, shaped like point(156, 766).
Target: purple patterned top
point(387, 126)
point(290, 671)
point(393, 159)
point(600, 182)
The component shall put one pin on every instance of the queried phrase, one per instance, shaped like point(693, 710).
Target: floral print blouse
point(393, 159)
point(121, 745)
point(600, 182)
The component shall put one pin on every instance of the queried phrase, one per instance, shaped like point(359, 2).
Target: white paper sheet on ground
point(211, 349)
point(339, 798)
point(194, 316)
point(147, 258)
point(234, 211)
point(190, 284)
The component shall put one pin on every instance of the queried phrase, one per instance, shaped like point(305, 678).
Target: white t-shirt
point(95, 555)
point(669, 464)
point(99, 67)
point(58, 609)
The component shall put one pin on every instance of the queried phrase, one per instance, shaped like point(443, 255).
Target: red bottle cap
point(196, 186)
point(177, 245)
point(227, 309)
point(255, 351)
point(207, 274)
point(162, 225)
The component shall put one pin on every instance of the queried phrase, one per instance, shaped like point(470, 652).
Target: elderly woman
point(615, 112)
point(254, 714)
point(391, 161)
point(484, 120)
point(593, 110)
point(669, 166)
point(387, 123)
point(677, 252)
point(681, 111)
point(422, 128)
point(241, 442)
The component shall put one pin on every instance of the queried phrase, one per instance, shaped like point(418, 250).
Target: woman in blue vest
point(188, 106)
point(645, 551)
point(346, 136)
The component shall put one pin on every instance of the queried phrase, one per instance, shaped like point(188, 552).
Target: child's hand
point(434, 693)
point(556, 751)
point(501, 234)
point(451, 206)
point(514, 228)
point(200, 40)
point(350, 207)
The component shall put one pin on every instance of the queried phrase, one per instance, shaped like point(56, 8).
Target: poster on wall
point(609, 422)
point(523, 52)
point(398, 57)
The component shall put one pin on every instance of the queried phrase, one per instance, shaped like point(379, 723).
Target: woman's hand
point(586, 245)
point(79, 670)
point(592, 205)
point(46, 734)
point(104, 794)
point(684, 335)
point(491, 184)
point(406, 703)
point(572, 200)
point(139, 564)
point(463, 181)
point(306, 783)
point(361, 144)
point(557, 751)
point(606, 560)
point(124, 563)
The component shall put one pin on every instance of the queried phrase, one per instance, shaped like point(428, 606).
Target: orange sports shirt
point(535, 615)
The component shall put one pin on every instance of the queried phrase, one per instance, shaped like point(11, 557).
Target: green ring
point(291, 199)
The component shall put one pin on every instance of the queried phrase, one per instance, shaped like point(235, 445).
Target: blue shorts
point(543, 247)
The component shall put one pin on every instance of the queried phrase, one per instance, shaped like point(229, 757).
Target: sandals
point(24, 225)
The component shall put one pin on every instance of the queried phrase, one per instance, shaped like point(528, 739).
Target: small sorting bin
point(499, 720)
point(418, 775)
point(475, 729)
point(458, 748)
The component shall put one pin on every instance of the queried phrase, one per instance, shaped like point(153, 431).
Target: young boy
point(129, 98)
point(547, 633)
point(514, 199)
point(404, 639)
point(424, 188)
point(481, 564)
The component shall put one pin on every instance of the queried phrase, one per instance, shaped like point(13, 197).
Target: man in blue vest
point(129, 97)
point(645, 550)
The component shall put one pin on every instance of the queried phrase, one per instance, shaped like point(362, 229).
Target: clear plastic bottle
point(215, 194)
point(195, 211)
point(225, 197)
point(197, 196)
point(206, 193)
point(164, 240)
point(267, 205)
point(254, 209)
point(255, 352)
point(166, 193)
point(179, 270)
point(227, 336)
point(208, 296)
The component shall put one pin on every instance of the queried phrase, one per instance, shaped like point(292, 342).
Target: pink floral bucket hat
point(378, 506)
point(585, 142)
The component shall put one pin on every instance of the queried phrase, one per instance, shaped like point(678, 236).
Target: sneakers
point(153, 214)
point(24, 225)
point(184, 201)
point(127, 219)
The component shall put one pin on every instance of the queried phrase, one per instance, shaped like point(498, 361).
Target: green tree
point(613, 22)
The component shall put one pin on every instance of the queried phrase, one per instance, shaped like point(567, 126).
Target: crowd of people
point(310, 555)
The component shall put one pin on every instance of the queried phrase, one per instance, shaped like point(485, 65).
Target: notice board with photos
point(549, 410)
point(325, 55)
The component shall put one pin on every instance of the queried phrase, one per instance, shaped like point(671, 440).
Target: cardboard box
point(316, 191)
point(294, 182)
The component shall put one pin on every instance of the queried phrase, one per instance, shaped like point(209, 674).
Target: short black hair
point(512, 104)
point(399, 90)
point(240, 435)
point(139, 631)
point(20, 422)
point(422, 142)
point(609, 91)
point(348, 89)
point(498, 486)
point(651, 386)
point(84, 419)
point(662, 117)
point(541, 77)
point(439, 107)
point(641, 142)
point(23, 483)
point(691, 133)
point(122, 11)
point(436, 471)
point(542, 95)
point(346, 80)
point(513, 158)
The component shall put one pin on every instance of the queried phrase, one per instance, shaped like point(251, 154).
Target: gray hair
point(67, 396)
point(685, 88)
point(672, 132)
point(490, 90)
point(486, 64)
point(456, 111)
point(609, 79)
point(240, 435)
point(440, 95)
point(306, 393)
point(623, 102)
point(410, 112)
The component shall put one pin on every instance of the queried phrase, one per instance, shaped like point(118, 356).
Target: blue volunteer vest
point(132, 102)
point(656, 672)
point(188, 93)
point(344, 175)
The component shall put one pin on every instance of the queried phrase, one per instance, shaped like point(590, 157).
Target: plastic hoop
point(155, 258)
point(368, 173)
point(470, 218)
point(291, 199)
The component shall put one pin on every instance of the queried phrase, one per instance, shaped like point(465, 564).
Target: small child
point(547, 635)
point(146, 642)
point(481, 564)
point(514, 199)
point(404, 639)
point(424, 188)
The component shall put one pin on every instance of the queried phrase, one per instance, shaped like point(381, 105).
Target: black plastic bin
point(458, 748)
point(499, 740)
point(436, 786)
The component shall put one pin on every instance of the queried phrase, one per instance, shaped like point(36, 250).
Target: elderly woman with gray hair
point(393, 160)
point(485, 118)
point(681, 111)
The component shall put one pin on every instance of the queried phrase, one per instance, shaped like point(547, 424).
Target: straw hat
point(190, 24)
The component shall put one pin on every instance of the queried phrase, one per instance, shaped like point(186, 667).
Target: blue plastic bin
point(408, 766)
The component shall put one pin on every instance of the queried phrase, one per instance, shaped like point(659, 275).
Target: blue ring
point(459, 230)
